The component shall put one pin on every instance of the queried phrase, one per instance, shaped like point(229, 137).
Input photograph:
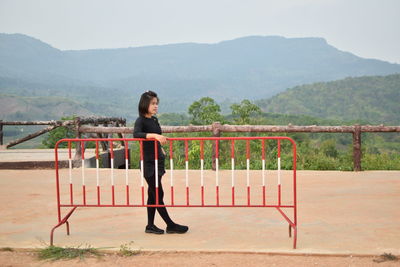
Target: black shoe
point(152, 229)
point(177, 229)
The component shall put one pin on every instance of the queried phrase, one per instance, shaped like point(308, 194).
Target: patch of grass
point(126, 250)
point(386, 257)
point(57, 253)
point(6, 249)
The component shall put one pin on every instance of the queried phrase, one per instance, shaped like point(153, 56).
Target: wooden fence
point(217, 128)
point(118, 126)
point(73, 124)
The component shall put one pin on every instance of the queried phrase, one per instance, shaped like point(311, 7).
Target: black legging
point(151, 211)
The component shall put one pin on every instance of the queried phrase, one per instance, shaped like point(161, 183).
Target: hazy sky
point(367, 28)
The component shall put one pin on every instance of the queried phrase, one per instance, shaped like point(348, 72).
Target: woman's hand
point(160, 138)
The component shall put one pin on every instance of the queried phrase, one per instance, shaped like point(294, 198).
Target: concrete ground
point(338, 213)
point(21, 155)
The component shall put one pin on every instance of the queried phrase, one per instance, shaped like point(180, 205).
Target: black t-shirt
point(142, 127)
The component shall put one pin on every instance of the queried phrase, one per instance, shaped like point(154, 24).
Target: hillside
point(250, 67)
point(373, 99)
point(35, 108)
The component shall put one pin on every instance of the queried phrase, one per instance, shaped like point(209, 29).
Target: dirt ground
point(339, 213)
point(21, 155)
point(26, 258)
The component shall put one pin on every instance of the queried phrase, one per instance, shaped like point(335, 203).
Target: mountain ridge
point(253, 54)
point(370, 98)
point(251, 67)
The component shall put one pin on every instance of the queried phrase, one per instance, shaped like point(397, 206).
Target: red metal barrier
point(264, 202)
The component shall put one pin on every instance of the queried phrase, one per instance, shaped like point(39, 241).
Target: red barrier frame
point(74, 206)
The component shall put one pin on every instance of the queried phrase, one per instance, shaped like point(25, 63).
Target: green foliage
point(386, 257)
point(57, 134)
point(6, 249)
point(134, 155)
point(243, 111)
point(57, 253)
point(60, 133)
point(31, 108)
point(385, 161)
point(205, 111)
point(315, 151)
point(173, 119)
point(373, 99)
point(328, 147)
point(126, 250)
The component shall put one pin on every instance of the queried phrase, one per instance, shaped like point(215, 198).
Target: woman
point(147, 126)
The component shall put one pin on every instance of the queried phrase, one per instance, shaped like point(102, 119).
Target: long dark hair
point(145, 100)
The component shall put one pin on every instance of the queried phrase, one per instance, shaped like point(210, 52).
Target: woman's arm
point(139, 133)
point(138, 129)
point(161, 138)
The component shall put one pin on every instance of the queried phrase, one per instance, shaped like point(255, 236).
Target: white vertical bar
point(202, 171)
point(126, 171)
point(171, 163)
point(233, 171)
point(83, 172)
point(156, 172)
point(279, 170)
point(112, 171)
point(248, 171)
point(141, 173)
point(263, 172)
point(187, 173)
point(97, 171)
point(216, 172)
point(70, 170)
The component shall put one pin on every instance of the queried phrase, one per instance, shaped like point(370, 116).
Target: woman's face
point(153, 107)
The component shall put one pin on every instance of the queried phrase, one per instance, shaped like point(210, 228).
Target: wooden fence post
point(78, 150)
point(357, 148)
point(1, 132)
point(99, 135)
point(120, 134)
point(216, 131)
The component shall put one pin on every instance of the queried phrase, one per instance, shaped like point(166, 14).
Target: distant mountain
point(109, 81)
point(374, 99)
point(34, 108)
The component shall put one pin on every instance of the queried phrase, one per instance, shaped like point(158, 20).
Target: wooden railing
point(216, 129)
point(73, 124)
point(90, 126)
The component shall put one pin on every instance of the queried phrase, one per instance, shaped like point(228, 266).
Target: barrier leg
point(64, 220)
point(67, 223)
point(291, 224)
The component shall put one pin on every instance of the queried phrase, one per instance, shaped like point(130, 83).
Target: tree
point(205, 111)
point(243, 111)
point(328, 147)
point(58, 134)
